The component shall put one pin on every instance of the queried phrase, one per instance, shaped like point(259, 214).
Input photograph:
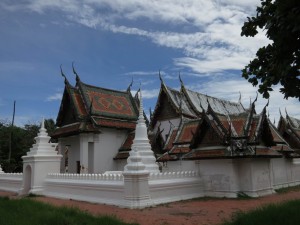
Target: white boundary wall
point(11, 181)
point(97, 188)
point(175, 186)
point(285, 172)
point(215, 178)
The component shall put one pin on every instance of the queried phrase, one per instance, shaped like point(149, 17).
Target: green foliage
point(288, 189)
point(278, 62)
point(30, 212)
point(22, 139)
point(286, 213)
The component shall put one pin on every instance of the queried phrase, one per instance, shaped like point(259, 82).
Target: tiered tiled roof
point(289, 128)
point(222, 129)
point(87, 108)
point(184, 137)
point(125, 148)
point(218, 105)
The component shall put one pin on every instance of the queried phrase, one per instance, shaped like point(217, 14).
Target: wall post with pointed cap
point(142, 144)
point(38, 162)
point(140, 163)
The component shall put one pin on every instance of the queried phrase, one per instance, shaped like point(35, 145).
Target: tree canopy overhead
point(278, 62)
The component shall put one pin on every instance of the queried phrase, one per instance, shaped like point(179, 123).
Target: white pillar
point(83, 145)
point(39, 161)
point(1, 171)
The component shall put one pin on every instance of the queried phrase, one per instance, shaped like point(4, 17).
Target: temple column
point(83, 148)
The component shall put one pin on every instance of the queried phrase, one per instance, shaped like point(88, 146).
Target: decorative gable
point(108, 103)
point(207, 136)
point(67, 114)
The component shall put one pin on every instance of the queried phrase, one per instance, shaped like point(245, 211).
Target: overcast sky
point(112, 41)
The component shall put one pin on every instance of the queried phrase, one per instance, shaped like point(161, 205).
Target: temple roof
point(180, 101)
point(215, 135)
point(93, 107)
point(200, 101)
point(289, 128)
point(108, 103)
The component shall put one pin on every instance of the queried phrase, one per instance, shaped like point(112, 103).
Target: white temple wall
point(261, 177)
point(73, 153)
point(180, 165)
point(285, 172)
point(219, 177)
point(110, 140)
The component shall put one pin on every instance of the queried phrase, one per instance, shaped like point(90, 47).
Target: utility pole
point(11, 132)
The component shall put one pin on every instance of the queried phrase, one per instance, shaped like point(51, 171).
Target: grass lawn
point(29, 212)
point(287, 213)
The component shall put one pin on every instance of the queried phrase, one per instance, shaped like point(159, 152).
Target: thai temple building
point(188, 125)
point(193, 146)
point(95, 126)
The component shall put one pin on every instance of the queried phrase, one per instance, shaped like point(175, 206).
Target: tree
point(22, 141)
point(279, 61)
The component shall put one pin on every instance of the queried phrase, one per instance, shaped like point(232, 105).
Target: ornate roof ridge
point(219, 99)
point(101, 88)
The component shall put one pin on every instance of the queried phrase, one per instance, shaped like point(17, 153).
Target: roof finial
point(252, 105)
point(130, 85)
point(255, 98)
point(150, 112)
point(181, 82)
point(274, 121)
point(280, 112)
point(160, 77)
point(63, 75)
point(240, 98)
point(141, 113)
point(265, 108)
point(77, 76)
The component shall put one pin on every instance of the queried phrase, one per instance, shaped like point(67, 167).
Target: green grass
point(288, 189)
point(29, 212)
point(285, 213)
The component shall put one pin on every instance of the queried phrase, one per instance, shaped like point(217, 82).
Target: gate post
point(39, 161)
